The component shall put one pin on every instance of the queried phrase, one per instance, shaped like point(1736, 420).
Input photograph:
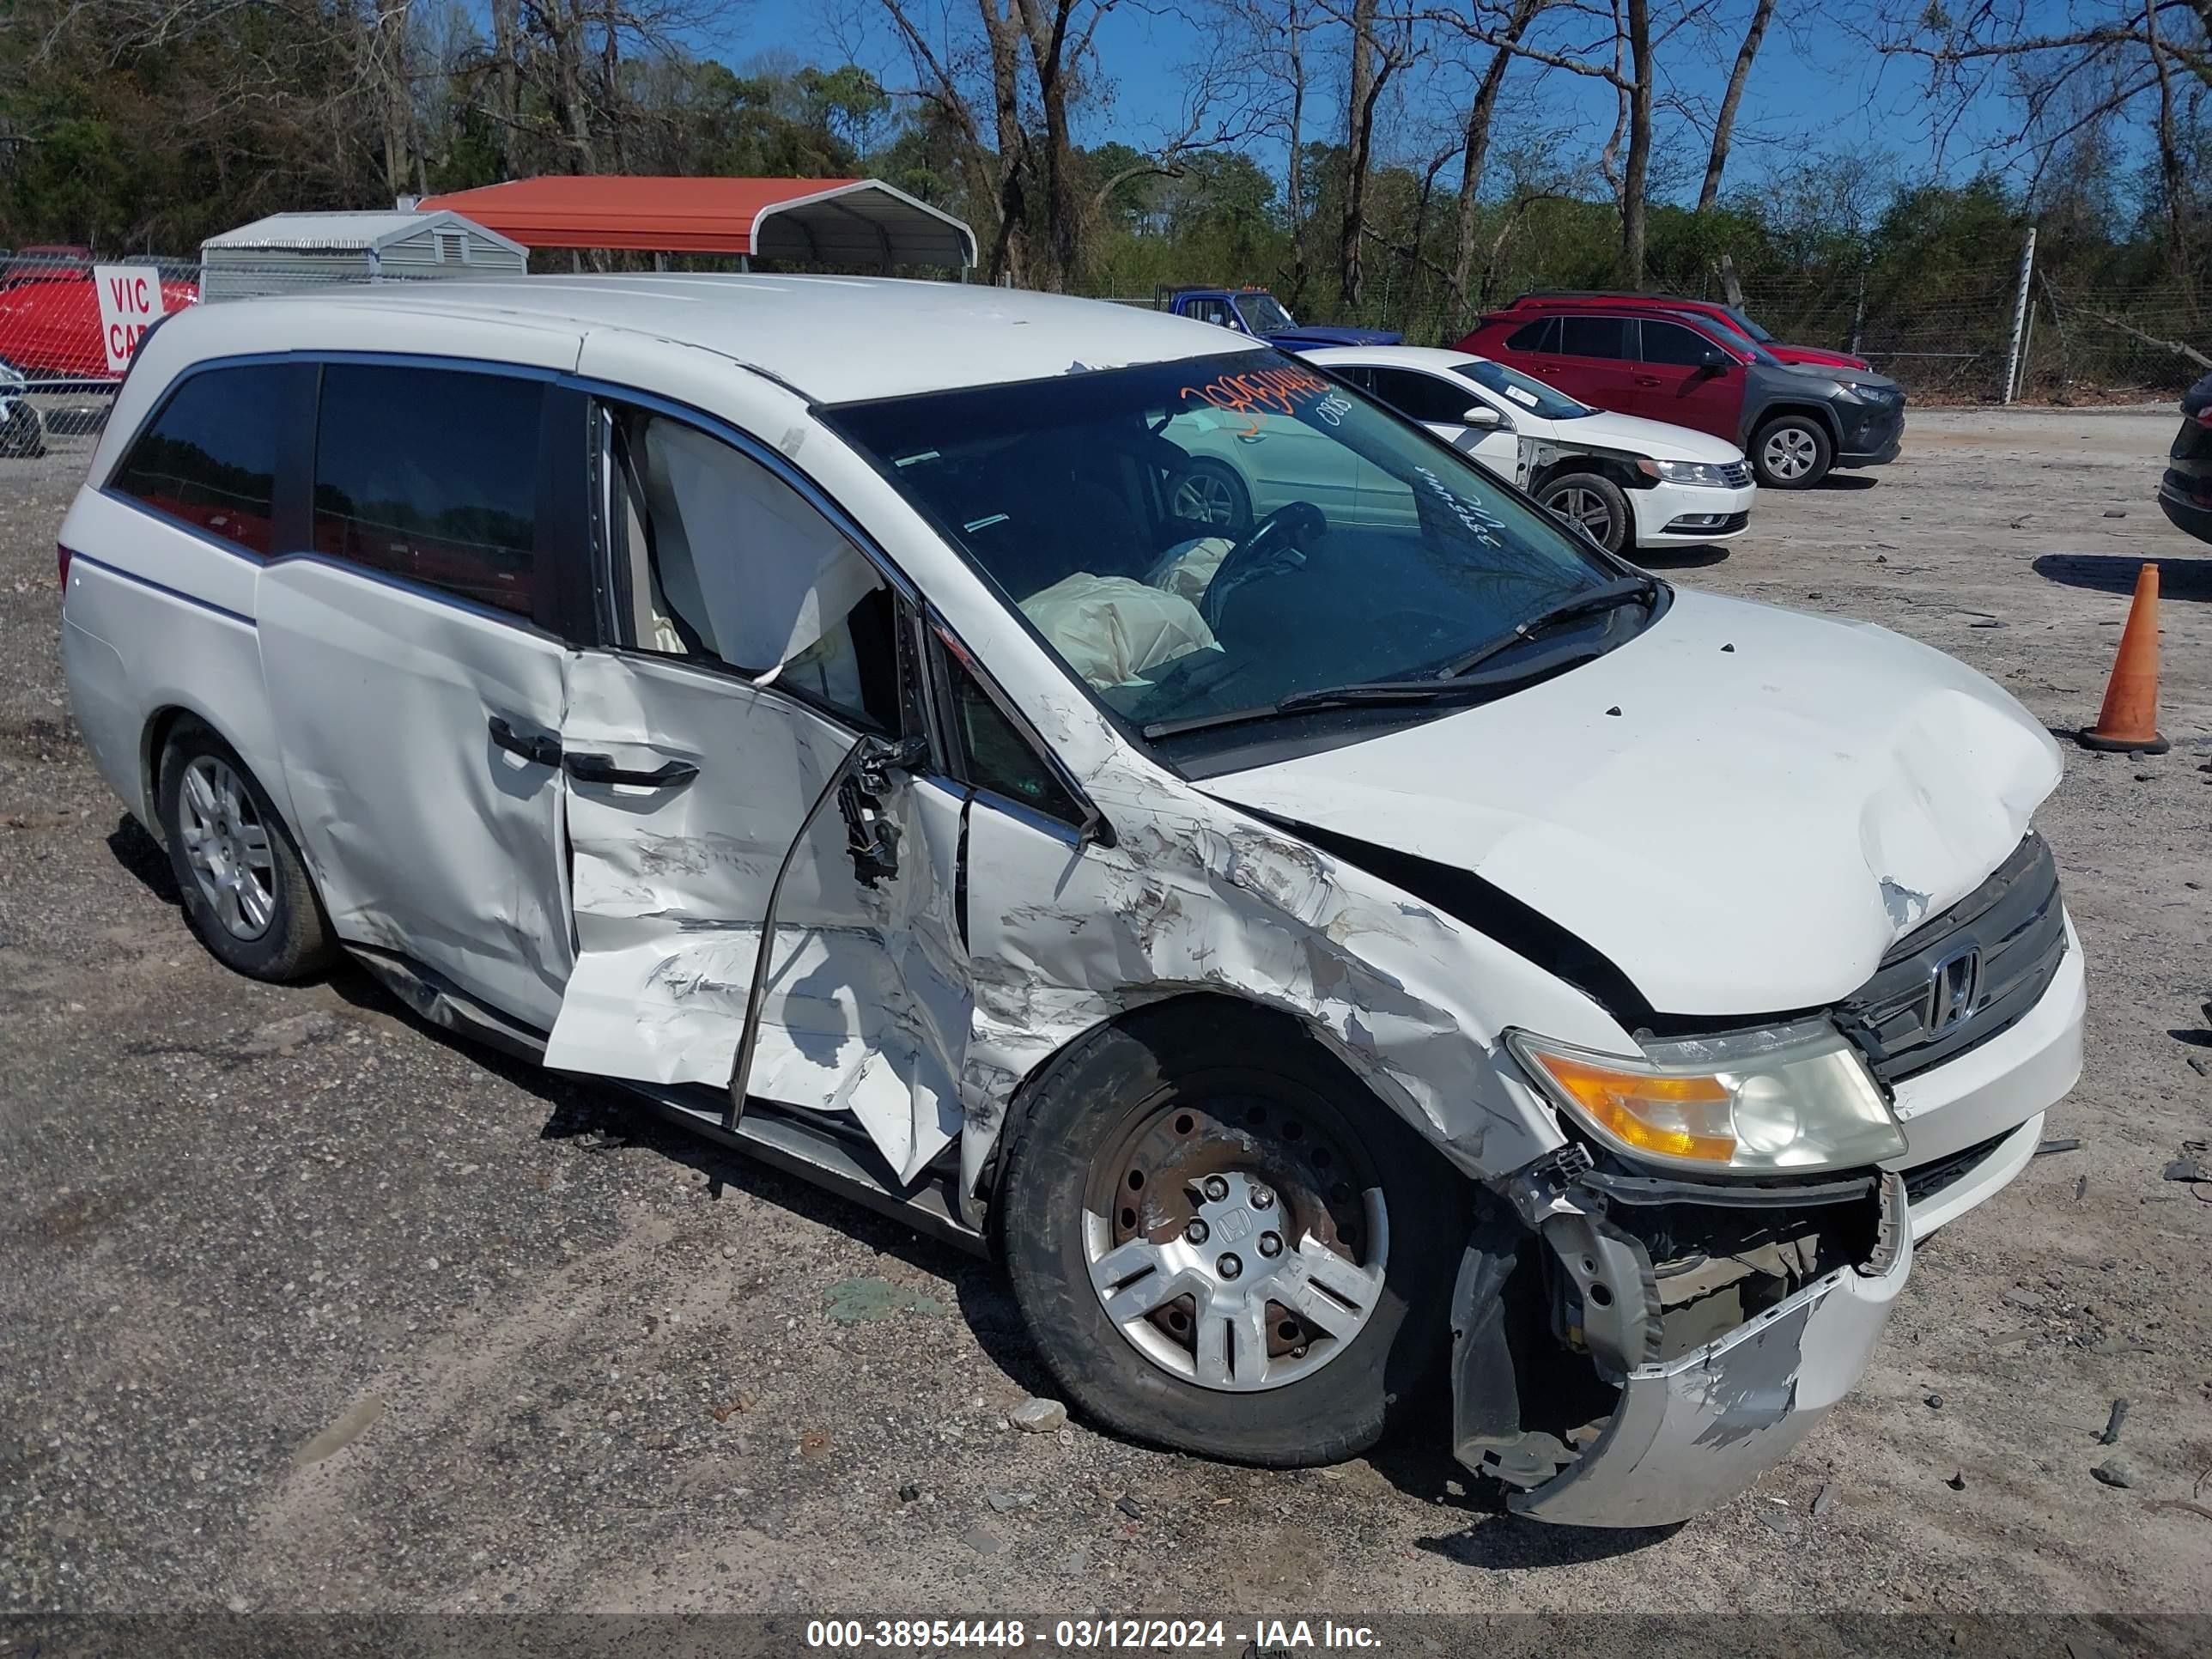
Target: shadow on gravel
point(2184, 577)
point(142, 856)
point(1847, 482)
point(1509, 1541)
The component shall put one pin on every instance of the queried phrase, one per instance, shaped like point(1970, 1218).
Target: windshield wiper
point(1606, 596)
point(1377, 691)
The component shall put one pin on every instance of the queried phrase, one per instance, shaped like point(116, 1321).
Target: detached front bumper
point(1685, 1432)
point(1694, 1431)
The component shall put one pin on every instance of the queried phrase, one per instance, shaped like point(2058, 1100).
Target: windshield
point(1263, 313)
point(1216, 535)
point(1737, 324)
point(1746, 327)
point(1521, 391)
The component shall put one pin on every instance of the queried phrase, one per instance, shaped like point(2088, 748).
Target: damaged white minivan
point(1397, 938)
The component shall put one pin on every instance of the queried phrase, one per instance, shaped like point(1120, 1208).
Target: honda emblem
point(1952, 990)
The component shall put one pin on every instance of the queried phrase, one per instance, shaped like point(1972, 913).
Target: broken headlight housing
point(1782, 1100)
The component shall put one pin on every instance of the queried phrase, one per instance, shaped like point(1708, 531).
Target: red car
point(50, 319)
point(1645, 357)
point(1729, 317)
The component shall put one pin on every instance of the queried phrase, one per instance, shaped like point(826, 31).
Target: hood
point(1743, 807)
point(1865, 379)
point(1329, 334)
point(1815, 357)
point(1637, 436)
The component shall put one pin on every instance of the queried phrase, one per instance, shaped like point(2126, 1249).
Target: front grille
point(1943, 1173)
point(2014, 921)
point(1736, 474)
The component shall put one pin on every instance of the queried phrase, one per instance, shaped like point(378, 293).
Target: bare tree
point(1725, 123)
point(1475, 154)
point(1381, 46)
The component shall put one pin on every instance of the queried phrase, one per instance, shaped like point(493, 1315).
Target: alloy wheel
point(227, 848)
point(1790, 452)
point(1587, 508)
point(1206, 498)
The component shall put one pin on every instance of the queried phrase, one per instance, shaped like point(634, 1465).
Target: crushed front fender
point(1695, 1430)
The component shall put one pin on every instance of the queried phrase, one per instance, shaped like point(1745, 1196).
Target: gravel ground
point(303, 1307)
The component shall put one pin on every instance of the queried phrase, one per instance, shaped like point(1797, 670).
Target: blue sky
point(1817, 90)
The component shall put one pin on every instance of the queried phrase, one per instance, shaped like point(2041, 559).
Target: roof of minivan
point(836, 339)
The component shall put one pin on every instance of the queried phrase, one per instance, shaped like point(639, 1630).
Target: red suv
point(1729, 317)
point(1644, 357)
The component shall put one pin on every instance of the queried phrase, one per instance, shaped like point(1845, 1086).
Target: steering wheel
point(1261, 554)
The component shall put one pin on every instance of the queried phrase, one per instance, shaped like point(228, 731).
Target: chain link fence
point(1945, 338)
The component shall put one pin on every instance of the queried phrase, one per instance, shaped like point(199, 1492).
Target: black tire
point(296, 942)
point(25, 435)
point(1187, 1051)
point(1801, 442)
point(1223, 486)
point(1565, 494)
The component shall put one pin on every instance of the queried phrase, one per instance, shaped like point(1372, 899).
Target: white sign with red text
point(129, 302)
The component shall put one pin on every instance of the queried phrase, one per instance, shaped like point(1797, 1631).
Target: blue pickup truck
point(1256, 311)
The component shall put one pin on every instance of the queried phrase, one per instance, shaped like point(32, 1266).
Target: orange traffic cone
point(2129, 719)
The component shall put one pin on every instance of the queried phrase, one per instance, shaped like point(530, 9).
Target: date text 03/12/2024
point(1264, 1638)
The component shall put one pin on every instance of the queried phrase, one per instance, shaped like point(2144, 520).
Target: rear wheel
point(245, 892)
point(1222, 1242)
point(1596, 503)
point(1792, 452)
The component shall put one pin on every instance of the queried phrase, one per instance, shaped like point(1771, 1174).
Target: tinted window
point(1670, 343)
point(210, 457)
point(431, 475)
point(1000, 758)
point(1592, 337)
point(1423, 396)
point(1536, 336)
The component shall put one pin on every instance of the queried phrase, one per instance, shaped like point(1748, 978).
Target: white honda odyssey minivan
point(1369, 943)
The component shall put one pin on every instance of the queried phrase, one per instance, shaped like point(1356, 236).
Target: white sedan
point(1630, 483)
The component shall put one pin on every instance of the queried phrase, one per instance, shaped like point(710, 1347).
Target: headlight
point(1685, 472)
point(1788, 1099)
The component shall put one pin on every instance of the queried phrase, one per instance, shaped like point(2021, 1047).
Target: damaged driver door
point(746, 748)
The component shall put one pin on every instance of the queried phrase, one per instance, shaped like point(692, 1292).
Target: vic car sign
point(130, 301)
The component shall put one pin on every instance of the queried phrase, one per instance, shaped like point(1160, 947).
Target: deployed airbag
point(1114, 630)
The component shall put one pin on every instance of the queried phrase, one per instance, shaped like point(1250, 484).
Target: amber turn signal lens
point(1685, 1117)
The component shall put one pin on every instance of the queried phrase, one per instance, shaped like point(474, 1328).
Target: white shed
point(287, 253)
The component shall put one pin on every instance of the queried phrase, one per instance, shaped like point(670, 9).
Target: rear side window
point(1593, 336)
point(431, 475)
point(1423, 396)
point(1670, 343)
point(1541, 336)
point(210, 458)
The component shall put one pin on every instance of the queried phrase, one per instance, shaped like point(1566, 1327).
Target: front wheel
point(1210, 496)
point(1222, 1242)
point(1595, 503)
point(1792, 452)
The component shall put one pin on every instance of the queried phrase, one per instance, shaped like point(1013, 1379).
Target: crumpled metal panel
point(865, 1011)
point(1196, 896)
point(424, 836)
point(1693, 1432)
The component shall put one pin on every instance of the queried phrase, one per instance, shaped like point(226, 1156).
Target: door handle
point(1647, 379)
point(601, 769)
point(539, 749)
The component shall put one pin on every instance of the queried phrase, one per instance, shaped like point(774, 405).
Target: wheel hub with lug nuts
point(1237, 1260)
point(1790, 452)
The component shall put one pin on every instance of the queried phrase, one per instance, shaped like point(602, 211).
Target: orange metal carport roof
point(835, 221)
